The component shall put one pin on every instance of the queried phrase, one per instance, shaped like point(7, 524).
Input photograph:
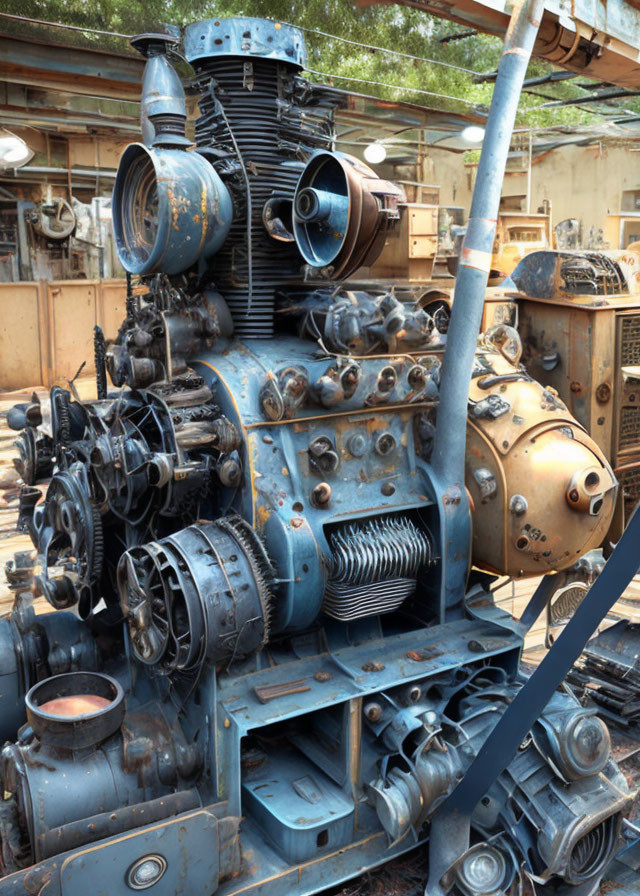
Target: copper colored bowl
point(75, 710)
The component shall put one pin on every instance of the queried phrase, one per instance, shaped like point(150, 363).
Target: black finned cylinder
point(264, 120)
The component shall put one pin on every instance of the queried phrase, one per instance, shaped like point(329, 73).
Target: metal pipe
point(448, 461)
point(529, 166)
point(80, 172)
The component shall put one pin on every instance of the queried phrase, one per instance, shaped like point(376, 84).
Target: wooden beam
point(72, 69)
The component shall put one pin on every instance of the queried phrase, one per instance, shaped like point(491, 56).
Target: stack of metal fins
point(376, 565)
point(267, 122)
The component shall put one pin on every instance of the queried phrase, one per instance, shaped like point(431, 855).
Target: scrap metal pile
point(608, 673)
point(262, 677)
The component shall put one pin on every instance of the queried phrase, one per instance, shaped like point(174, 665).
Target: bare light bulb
point(375, 153)
point(13, 151)
point(472, 134)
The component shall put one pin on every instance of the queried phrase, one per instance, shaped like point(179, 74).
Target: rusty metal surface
point(525, 439)
point(581, 337)
point(271, 558)
point(601, 41)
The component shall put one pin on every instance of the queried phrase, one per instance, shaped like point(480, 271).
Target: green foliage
point(385, 25)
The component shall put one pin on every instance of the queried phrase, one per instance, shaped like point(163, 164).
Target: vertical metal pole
point(529, 173)
point(450, 830)
point(448, 460)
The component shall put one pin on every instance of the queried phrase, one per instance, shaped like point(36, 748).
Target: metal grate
point(630, 484)
point(629, 436)
point(630, 343)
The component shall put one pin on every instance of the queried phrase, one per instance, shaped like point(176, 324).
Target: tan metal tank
point(542, 492)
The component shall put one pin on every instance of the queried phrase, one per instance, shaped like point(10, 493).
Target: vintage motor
point(430, 751)
point(259, 679)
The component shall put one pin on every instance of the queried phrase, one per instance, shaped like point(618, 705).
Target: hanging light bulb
point(472, 134)
point(14, 152)
point(375, 153)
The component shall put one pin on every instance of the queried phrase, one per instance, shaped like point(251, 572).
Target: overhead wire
point(8, 15)
point(442, 96)
point(330, 36)
point(377, 49)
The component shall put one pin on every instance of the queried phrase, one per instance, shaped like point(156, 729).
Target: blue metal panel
point(280, 479)
point(245, 37)
point(398, 659)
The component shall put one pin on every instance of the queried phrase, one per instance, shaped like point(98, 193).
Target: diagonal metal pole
point(450, 827)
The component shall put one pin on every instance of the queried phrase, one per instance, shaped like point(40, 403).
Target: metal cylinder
point(245, 69)
point(466, 314)
point(342, 213)
point(170, 210)
point(196, 595)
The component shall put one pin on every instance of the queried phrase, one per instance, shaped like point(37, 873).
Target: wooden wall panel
point(46, 329)
point(112, 306)
point(72, 311)
point(20, 344)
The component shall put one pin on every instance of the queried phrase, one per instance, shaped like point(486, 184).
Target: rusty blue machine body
point(271, 666)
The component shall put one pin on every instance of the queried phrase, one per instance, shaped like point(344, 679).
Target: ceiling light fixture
point(14, 152)
point(375, 153)
point(472, 134)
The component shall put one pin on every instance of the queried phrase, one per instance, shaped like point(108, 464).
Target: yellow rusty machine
point(579, 319)
point(517, 234)
point(542, 494)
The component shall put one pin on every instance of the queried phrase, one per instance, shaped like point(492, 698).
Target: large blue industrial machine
point(270, 664)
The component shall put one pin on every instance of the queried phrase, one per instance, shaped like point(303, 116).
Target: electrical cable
point(8, 15)
point(442, 96)
point(376, 49)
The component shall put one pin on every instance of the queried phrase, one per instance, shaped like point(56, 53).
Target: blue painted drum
point(170, 210)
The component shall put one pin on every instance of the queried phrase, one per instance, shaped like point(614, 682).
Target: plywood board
point(20, 358)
